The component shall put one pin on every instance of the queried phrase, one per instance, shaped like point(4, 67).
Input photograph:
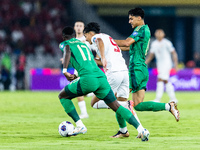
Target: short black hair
point(79, 21)
point(137, 12)
point(92, 26)
point(67, 30)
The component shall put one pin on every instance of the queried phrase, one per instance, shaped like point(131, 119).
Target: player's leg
point(65, 96)
point(170, 91)
point(104, 92)
point(82, 106)
point(98, 104)
point(138, 81)
point(159, 90)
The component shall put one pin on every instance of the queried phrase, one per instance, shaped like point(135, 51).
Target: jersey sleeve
point(137, 34)
point(62, 46)
point(170, 46)
point(153, 47)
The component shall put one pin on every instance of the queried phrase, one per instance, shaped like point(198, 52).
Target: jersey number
point(116, 49)
point(82, 53)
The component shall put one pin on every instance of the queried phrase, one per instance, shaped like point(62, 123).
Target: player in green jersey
point(138, 43)
point(92, 79)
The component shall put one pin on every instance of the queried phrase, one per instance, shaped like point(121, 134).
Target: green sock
point(150, 106)
point(70, 109)
point(128, 116)
point(121, 121)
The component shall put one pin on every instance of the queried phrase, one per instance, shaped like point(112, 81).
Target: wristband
point(64, 70)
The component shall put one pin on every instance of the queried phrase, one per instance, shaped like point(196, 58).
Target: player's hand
point(104, 62)
point(69, 76)
point(61, 59)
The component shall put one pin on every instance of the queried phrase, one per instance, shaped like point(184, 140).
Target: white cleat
point(174, 110)
point(78, 130)
point(82, 116)
point(144, 135)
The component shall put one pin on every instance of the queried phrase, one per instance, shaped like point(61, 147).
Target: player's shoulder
point(167, 41)
point(62, 45)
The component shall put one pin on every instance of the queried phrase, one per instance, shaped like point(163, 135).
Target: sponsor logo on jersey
point(135, 33)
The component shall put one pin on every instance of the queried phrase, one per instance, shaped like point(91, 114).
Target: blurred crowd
point(30, 31)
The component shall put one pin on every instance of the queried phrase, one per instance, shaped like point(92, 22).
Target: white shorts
point(164, 73)
point(119, 82)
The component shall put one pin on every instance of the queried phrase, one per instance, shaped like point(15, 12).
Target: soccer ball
point(65, 127)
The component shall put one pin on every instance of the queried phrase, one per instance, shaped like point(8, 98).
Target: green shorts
point(138, 78)
point(84, 85)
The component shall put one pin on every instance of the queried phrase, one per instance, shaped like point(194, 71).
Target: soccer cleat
point(82, 116)
point(78, 130)
point(130, 106)
point(120, 134)
point(144, 135)
point(174, 110)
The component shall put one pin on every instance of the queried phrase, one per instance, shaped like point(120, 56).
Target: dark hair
point(67, 31)
point(92, 26)
point(79, 21)
point(137, 12)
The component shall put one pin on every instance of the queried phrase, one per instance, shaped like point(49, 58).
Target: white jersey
point(113, 55)
point(162, 50)
point(83, 39)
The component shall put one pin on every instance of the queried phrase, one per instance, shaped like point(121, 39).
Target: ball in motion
point(65, 128)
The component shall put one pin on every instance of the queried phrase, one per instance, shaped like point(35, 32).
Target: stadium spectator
point(5, 71)
point(20, 71)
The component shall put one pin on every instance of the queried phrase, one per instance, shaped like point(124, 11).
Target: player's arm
point(123, 48)
point(98, 60)
point(101, 48)
point(175, 59)
point(66, 58)
point(125, 43)
point(149, 58)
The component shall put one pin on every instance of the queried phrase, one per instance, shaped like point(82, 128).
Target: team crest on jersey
point(61, 46)
point(135, 33)
point(94, 39)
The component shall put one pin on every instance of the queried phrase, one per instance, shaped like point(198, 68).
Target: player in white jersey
point(163, 49)
point(79, 27)
point(115, 69)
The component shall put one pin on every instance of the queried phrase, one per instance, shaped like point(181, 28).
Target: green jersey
point(139, 49)
point(81, 58)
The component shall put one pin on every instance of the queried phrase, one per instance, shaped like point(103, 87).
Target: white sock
point(136, 117)
point(79, 123)
point(123, 103)
point(167, 106)
point(82, 107)
point(123, 130)
point(159, 90)
point(140, 128)
point(100, 105)
point(170, 91)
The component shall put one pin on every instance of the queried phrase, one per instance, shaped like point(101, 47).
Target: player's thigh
point(123, 89)
point(104, 91)
point(138, 78)
point(164, 73)
point(71, 90)
point(138, 97)
point(115, 79)
point(89, 84)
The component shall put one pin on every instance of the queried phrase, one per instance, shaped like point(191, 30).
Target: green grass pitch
point(29, 120)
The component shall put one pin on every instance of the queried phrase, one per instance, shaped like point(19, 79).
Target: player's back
point(113, 55)
point(139, 49)
point(82, 59)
